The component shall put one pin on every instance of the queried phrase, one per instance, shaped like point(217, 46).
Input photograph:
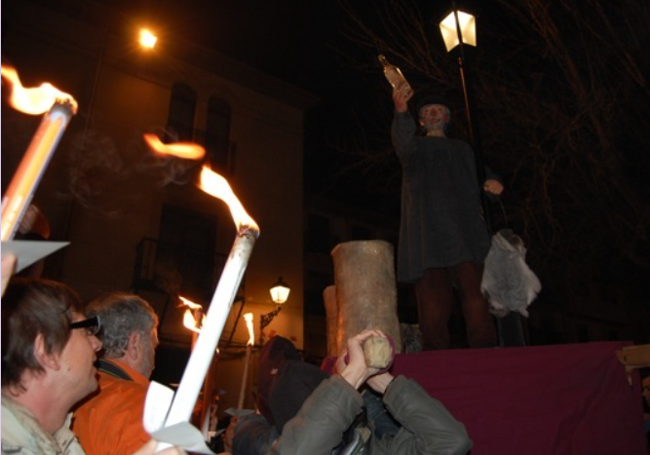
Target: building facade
point(135, 220)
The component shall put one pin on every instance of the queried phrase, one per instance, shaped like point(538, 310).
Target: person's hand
point(150, 448)
point(380, 382)
point(356, 371)
point(401, 96)
point(493, 186)
point(34, 221)
point(8, 266)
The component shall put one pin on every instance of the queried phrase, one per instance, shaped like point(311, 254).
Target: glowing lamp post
point(458, 29)
point(279, 294)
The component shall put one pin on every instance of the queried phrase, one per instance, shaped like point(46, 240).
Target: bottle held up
point(394, 75)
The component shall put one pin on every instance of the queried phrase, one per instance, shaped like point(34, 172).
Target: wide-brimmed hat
point(427, 99)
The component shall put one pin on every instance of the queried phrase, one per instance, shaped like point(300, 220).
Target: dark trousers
point(435, 294)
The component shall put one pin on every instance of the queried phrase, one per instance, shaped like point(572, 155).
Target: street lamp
point(458, 29)
point(147, 39)
point(279, 294)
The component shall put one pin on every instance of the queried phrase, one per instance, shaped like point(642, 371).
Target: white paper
point(156, 406)
point(30, 251)
point(184, 435)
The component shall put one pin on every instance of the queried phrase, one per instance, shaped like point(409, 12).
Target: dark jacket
point(441, 219)
point(273, 356)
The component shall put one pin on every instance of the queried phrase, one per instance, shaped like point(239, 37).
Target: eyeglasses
point(92, 325)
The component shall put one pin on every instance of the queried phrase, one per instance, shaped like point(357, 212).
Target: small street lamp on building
point(279, 294)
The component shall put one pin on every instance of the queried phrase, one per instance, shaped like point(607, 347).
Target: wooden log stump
point(366, 290)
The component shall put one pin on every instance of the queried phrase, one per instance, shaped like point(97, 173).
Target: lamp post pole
point(472, 121)
point(509, 327)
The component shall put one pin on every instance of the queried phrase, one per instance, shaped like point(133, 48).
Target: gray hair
point(121, 314)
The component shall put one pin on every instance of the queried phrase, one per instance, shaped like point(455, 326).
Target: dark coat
point(441, 219)
point(274, 354)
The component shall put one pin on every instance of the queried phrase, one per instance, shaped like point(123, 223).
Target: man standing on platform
point(443, 236)
point(110, 420)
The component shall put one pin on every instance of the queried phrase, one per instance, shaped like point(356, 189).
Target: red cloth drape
point(540, 400)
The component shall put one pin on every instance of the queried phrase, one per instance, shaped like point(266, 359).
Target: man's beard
point(149, 359)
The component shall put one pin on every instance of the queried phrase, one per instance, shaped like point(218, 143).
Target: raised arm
point(428, 427)
point(403, 128)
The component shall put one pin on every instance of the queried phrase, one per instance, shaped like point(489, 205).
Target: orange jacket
point(110, 421)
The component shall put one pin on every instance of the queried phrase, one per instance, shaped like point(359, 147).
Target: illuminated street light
point(458, 27)
point(147, 39)
point(280, 292)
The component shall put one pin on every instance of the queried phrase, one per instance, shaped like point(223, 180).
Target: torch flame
point(189, 303)
point(189, 319)
point(190, 322)
point(35, 100)
point(186, 150)
point(249, 325)
point(217, 186)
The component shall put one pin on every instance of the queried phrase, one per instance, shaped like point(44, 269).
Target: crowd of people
point(75, 378)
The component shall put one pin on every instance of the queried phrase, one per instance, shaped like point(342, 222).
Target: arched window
point(217, 138)
point(180, 125)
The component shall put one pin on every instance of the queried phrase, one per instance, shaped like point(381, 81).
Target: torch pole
point(201, 357)
point(21, 189)
point(244, 381)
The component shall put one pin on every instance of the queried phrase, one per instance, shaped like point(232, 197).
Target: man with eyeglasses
point(48, 355)
point(110, 420)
